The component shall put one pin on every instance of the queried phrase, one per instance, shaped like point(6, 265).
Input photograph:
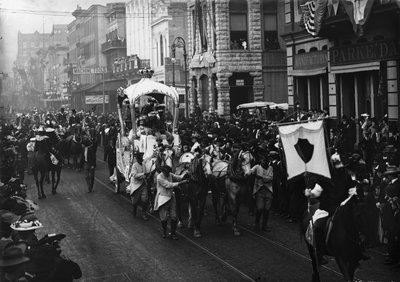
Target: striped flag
point(313, 13)
point(308, 11)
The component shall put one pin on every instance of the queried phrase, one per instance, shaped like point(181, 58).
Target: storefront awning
point(310, 72)
point(356, 67)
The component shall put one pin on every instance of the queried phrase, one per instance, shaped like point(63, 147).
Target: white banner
point(96, 99)
point(304, 146)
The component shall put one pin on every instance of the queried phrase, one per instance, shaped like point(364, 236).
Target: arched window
point(161, 50)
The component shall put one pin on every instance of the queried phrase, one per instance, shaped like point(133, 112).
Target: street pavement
point(111, 245)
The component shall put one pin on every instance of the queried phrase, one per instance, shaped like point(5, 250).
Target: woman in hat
point(137, 187)
point(26, 227)
point(165, 201)
point(14, 265)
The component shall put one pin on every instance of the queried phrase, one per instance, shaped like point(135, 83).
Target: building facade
point(86, 34)
point(87, 62)
point(151, 30)
point(236, 53)
point(351, 67)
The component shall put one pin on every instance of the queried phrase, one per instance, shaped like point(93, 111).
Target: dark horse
point(41, 163)
point(342, 243)
point(72, 148)
point(196, 190)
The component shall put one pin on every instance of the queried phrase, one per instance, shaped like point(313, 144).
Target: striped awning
point(307, 72)
point(355, 67)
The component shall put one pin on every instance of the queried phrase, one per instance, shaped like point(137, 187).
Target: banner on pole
point(304, 147)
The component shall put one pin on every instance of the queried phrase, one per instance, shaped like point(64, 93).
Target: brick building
point(236, 53)
point(347, 68)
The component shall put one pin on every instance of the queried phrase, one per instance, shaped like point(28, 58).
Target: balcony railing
point(113, 44)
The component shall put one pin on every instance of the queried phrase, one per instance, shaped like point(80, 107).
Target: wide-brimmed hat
point(389, 149)
point(13, 256)
point(390, 170)
point(27, 222)
point(237, 146)
point(8, 217)
point(273, 154)
point(165, 169)
point(196, 135)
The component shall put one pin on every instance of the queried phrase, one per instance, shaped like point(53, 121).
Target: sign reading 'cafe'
point(364, 52)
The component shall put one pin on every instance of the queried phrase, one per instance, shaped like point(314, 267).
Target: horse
point(231, 191)
point(41, 163)
point(73, 148)
point(341, 236)
point(197, 189)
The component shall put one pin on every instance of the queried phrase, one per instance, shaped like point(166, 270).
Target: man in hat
point(165, 201)
point(73, 119)
point(391, 214)
point(14, 265)
point(90, 145)
point(137, 187)
point(110, 156)
point(263, 191)
point(195, 141)
point(5, 232)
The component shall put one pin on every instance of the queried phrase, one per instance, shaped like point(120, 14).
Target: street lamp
point(179, 42)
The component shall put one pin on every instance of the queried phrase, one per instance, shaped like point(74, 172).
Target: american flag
point(308, 11)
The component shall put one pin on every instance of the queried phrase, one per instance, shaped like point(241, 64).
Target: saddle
point(326, 229)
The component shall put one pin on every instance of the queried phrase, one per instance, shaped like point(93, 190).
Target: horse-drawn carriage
point(142, 137)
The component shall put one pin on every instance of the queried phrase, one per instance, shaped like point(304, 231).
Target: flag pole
point(301, 121)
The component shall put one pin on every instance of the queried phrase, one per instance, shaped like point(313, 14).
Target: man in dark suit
point(110, 156)
point(90, 144)
point(392, 214)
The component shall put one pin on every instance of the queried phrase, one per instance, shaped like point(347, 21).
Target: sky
point(28, 16)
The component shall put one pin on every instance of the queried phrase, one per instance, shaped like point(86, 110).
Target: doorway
point(241, 90)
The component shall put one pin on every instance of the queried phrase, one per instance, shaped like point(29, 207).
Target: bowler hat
point(13, 256)
point(392, 170)
point(8, 217)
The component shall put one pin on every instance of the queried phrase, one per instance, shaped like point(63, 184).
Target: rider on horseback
point(330, 197)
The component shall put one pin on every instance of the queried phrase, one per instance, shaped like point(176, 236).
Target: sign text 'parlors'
point(364, 52)
point(89, 70)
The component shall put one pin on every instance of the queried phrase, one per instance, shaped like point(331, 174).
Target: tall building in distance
point(85, 35)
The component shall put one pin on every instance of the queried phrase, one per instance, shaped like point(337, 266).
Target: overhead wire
point(84, 13)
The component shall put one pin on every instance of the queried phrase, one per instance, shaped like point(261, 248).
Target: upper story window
point(161, 50)
point(238, 24)
point(271, 41)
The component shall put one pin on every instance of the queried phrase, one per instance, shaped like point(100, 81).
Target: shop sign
point(365, 52)
point(239, 82)
point(312, 60)
point(89, 70)
point(96, 99)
